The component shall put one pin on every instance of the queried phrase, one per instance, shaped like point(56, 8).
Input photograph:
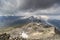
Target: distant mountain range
point(6, 20)
point(26, 20)
point(55, 22)
point(15, 20)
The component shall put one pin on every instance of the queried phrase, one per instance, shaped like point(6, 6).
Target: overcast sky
point(29, 7)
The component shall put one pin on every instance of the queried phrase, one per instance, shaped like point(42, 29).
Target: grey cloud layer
point(18, 6)
point(34, 4)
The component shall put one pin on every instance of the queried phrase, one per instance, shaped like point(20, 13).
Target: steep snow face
point(40, 17)
point(24, 17)
point(37, 17)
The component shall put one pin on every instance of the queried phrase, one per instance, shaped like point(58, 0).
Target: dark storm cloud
point(15, 6)
point(36, 4)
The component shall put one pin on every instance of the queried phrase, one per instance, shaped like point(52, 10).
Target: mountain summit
point(32, 31)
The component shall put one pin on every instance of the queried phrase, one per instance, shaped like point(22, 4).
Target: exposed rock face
point(4, 36)
point(31, 31)
point(35, 31)
point(57, 31)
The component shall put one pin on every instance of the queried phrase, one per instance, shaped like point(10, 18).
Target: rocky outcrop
point(31, 31)
point(4, 36)
point(57, 31)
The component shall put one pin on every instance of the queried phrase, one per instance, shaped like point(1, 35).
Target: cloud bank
point(29, 7)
